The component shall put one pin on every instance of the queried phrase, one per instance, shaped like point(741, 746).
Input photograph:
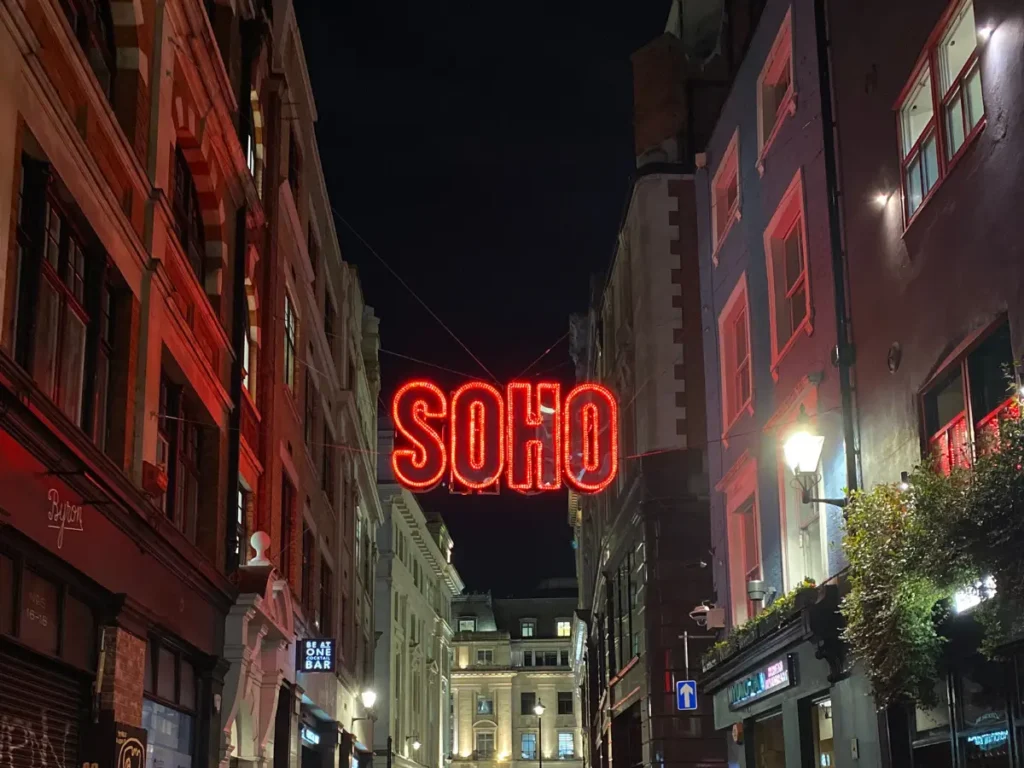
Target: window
point(528, 627)
point(329, 322)
point(563, 628)
point(485, 657)
point(947, 82)
point(775, 92)
point(563, 658)
point(309, 415)
point(289, 342)
point(326, 597)
point(734, 335)
point(241, 537)
point(287, 516)
point(294, 165)
point(467, 624)
point(565, 702)
point(550, 658)
point(104, 357)
point(485, 743)
point(528, 746)
point(786, 251)
point(527, 658)
point(527, 701)
point(248, 382)
point(748, 546)
point(327, 479)
point(93, 27)
point(308, 565)
point(725, 193)
point(566, 747)
point(964, 405)
point(313, 249)
point(188, 217)
point(178, 449)
point(484, 704)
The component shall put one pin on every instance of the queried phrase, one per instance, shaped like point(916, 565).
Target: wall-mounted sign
point(771, 678)
point(529, 435)
point(62, 516)
point(309, 735)
point(115, 745)
point(316, 655)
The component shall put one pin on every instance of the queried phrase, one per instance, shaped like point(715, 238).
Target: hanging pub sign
point(529, 436)
point(316, 655)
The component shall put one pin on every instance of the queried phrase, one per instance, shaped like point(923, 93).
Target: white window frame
point(728, 167)
point(782, 46)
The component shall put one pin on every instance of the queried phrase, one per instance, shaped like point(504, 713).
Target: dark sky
point(483, 149)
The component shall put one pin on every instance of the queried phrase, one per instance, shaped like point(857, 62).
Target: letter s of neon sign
point(528, 434)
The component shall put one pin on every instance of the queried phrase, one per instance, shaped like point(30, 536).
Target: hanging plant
point(911, 549)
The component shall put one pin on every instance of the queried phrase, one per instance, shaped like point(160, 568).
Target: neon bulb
point(526, 454)
point(584, 469)
point(422, 465)
point(481, 438)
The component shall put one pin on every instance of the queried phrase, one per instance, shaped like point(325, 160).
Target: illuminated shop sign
point(316, 655)
point(310, 736)
point(770, 679)
point(529, 435)
point(989, 741)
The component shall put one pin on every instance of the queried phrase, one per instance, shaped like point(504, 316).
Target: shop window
point(965, 403)
point(775, 91)
point(734, 353)
point(528, 746)
point(170, 735)
point(188, 216)
point(566, 746)
point(982, 727)
point(485, 705)
point(565, 702)
point(769, 743)
point(789, 296)
point(725, 193)
point(822, 734)
point(40, 617)
point(942, 107)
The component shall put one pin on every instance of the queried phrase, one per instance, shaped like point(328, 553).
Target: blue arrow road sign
point(686, 695)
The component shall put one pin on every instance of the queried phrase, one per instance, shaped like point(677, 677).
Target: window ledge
point(969, 141)
point(746, 410)
point(807, 326)
point(734, 216)
point(788, 105)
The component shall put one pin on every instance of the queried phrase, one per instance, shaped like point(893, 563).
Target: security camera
point(707, 615)
point(700, 615)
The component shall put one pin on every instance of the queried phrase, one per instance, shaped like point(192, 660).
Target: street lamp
point(415, 743)
point(802, 453)
point(369, 698)
point(539, 711)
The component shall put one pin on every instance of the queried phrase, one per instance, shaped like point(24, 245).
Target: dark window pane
point(39, 613)
point(150, 665)
point(983, 694)
point(551, 658)
point(565, 702)
point(6, 595)
point(938, 755)
point(79, 634)
point(929, 722)
point(769, 744)
point(944, 402)
point(187, 696)
point(527, 701)
point(166, 664)
point(987, 367)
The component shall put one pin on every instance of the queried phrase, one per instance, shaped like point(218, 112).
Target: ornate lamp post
point(539, 711)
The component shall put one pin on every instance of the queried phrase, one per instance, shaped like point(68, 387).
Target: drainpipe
point(249, 33)
point(844, 343)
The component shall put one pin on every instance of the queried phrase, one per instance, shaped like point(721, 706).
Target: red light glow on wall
point(529, 434)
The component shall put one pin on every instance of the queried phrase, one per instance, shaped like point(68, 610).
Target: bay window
point(965, 402)
point(942, 106)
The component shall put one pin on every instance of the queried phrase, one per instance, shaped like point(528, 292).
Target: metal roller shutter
point(41, 710)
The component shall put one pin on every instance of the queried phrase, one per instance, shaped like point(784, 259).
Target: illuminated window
point(528, 746)
point(725, 193)
point(964, 404)
point(564, 628)
point(785, 248)
point(290, 336)
point(484, 705)
point(734, 351)
point(946, 83)
point(241, 543)
point(566, 748)
point(775, 91)
point(527, 628)
point(467, 624)
point(485, 657)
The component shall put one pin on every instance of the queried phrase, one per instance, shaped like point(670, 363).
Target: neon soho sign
point(529, 434)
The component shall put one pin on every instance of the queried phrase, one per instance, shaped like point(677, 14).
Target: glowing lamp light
point(538, 709)
point(882, 198)
point(965, 599)
point(802, 452)
point(985, 32)
point(369, 698)
point(416, 744)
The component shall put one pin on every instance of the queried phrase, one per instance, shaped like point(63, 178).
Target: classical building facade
point(513, 696)
point(415, 585)
point(185, 361)
point(644, 545)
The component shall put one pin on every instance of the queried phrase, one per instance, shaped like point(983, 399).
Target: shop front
point(786, 700)
point(105, 627)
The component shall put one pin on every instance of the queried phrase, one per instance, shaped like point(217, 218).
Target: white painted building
point(512, 655)
point(415, 585)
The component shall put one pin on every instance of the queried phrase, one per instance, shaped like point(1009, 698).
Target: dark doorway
point(627, 742)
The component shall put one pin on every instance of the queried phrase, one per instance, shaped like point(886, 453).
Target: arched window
point(188, 216)
point(92, 24)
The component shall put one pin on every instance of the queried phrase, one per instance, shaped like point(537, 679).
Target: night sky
point(483, 150)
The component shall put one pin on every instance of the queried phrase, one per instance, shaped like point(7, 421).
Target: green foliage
point(911, 550)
